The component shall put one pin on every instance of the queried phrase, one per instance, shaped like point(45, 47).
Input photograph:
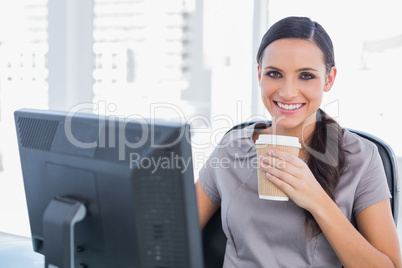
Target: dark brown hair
point(325, 147)
point(327, 160)
point(302, 28)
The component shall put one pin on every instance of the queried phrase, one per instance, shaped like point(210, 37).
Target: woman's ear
point(330, 79)
point(259, 74)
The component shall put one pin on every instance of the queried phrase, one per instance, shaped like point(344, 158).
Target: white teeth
point(289, 107)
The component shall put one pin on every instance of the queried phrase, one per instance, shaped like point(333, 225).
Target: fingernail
point(262, 164)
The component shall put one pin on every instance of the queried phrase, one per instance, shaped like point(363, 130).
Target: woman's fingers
point(286, 157)
point(282, 161)
point(281, 184)
point(292, 176)
point(279, 168)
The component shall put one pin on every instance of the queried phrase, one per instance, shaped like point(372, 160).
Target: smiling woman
point(335, 184)
point(292, 74)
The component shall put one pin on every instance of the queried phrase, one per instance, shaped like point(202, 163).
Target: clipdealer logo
point(171, 162)
point(200, 124)
point(147, 130)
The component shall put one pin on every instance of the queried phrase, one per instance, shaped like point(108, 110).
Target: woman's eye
point(306, 76)
point(274, 74)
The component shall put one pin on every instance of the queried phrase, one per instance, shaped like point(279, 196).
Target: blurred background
point(192, 60)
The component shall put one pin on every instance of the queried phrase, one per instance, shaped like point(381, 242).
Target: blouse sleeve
point(207, 178)
point(373, 186)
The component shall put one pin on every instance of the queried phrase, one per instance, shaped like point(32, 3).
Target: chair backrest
point(214, 239)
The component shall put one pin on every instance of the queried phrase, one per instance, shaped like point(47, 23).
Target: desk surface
point(17, 252)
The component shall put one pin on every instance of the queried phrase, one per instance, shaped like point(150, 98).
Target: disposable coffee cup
point(266, 189)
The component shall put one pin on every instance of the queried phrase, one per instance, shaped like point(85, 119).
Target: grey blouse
point(265, 233)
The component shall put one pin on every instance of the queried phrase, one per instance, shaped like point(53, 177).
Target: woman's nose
point(289, 90)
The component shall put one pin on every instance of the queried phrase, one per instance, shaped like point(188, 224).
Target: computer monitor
point(107, 191)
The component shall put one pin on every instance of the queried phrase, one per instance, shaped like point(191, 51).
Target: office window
point(23, 74)
point(178, 59)
point(142, 54)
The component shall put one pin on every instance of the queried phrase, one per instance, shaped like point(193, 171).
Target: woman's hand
point(376, 245)
point(294, 177)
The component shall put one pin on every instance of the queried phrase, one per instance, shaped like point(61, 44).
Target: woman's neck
point(303, 132)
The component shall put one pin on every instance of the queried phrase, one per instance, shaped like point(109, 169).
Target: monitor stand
point(58, 231)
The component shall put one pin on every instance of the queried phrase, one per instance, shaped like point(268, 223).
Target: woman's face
point(293, 78)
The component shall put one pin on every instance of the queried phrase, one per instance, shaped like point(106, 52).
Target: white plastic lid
point(278, 140)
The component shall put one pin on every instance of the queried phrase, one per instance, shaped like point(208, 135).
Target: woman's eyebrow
point(272, 67)
point(307, 69)
point(299, 70)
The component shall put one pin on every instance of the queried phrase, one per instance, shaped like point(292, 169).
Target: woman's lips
point(289, 107)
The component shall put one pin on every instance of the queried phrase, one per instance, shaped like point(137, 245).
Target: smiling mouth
point(288, 107)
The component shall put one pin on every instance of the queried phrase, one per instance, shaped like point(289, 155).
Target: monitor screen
point(107, 191)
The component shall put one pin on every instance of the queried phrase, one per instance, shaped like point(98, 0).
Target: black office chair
point(214, 239)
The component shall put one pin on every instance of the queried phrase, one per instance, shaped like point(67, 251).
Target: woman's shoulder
point(361, 153)
point(355, 144)
point(245, 130)
point(365, 169)
point(240, 140)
